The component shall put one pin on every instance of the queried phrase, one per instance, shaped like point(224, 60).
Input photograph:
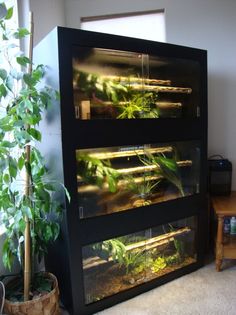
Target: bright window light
point(11, 24)
point(143, 25)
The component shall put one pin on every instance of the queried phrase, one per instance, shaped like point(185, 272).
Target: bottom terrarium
point(118, 264)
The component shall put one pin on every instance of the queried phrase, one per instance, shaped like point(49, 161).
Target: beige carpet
point(203, 292)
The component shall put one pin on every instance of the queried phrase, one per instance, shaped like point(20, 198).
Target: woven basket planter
point(48, 304)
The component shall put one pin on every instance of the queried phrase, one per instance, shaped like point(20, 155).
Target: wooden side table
point(224, 206)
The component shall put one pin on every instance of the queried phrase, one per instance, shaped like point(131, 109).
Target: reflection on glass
point(119, 178)
point(117, 264)
point(110, 84)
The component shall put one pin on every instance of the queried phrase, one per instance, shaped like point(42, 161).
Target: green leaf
point(27, 212)
point(3, 91)
point(3, 10)
point(9, 13)
point(18, 124)
point(23, 60)
point(6, 124)
point(21, 162)
point(8, 144)
point(112, 184)
point(43, 194)
point(45, 97)
point(28, 105)
point(35, 134)
point(17, 215)
point(57, 95)
point(32, 119)
point(56, 229)
point(48, 233)
point(6, 178)
point(38, 73)
point(9, 83)
point(21, 225)
point(29, 80)
point(38, 156)
point(49, 187)
point(3, 74)
point(12, 167)
point(22, 32)
point(169, 163)
point(22, 137)
point(7, 253)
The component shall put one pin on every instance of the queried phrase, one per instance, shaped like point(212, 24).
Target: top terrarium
point(112, 84)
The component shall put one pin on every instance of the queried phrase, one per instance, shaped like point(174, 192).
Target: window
point(147, 25)
point(11, 24)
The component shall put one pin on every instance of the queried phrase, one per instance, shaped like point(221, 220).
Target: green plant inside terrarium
point(128, 102)
point(137, 260)
point(138, 105)
point(99, 88)
point(158, 264)
point(179, 246)
point(116, 249)
point(167, 168)
point(142, 189)
point(97, 172)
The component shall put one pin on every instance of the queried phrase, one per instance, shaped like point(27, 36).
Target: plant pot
point(47, 304)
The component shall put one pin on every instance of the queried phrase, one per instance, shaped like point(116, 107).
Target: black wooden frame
point(69, 134)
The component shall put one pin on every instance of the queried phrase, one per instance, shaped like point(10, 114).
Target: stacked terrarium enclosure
point(129, 141)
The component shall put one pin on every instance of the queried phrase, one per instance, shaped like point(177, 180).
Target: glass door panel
point(112, 84)
point(118, 264)
point(181, 98)
point(114, 179)
point(102, 81)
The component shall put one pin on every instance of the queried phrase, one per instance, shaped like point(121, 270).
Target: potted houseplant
point(28, 209)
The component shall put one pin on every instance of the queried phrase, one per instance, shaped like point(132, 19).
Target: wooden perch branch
point(161, 105)
point(151, 243)
point(161, 89)
point(126, 171)
point(164, 105)
point(128, 80)
point(157, 241)
point(118, 154)
point(121, 184)
point(143, 169)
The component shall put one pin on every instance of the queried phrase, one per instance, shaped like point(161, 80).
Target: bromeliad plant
point(26, 192)
point(143, 189)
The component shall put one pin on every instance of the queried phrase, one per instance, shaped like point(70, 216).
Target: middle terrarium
point(115, 179)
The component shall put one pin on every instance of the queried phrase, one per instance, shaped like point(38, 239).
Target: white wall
point(205, 24)
point(47, 15)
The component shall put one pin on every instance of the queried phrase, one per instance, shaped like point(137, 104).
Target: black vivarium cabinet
point(129, 141)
